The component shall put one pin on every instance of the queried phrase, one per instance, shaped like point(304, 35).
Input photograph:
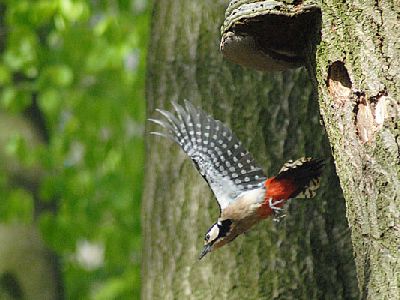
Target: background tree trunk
point(308, 255)
point(28, 268)
point(358, 72)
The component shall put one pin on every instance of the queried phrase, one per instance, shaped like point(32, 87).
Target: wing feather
point(219, 156)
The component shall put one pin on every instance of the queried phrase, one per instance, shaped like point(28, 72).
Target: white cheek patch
point(213, 233)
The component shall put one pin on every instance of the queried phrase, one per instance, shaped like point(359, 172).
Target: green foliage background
point(81, 64)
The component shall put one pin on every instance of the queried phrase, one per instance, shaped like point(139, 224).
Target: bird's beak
point(206, 249)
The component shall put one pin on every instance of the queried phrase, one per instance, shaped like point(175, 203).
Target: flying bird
point(244, 193)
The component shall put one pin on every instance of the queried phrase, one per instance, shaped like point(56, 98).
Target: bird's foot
point(274, 206)
point(277, 211)
point(278, 217)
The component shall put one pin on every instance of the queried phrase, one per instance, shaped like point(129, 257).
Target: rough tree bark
point(358, 72)
point(308, 255)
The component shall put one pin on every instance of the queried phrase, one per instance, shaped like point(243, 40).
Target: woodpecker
point(244, 194)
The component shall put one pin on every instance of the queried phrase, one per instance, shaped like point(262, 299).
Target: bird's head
point(216, 236)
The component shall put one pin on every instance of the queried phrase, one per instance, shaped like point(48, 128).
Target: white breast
point(245, 205)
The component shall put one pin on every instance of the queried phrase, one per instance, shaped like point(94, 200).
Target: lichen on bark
point(363, 129)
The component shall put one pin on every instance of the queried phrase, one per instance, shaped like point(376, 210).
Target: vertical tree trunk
point(358, 72)
point(308, 255)
point(28, 269)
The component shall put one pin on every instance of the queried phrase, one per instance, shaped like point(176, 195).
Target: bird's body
point(244, 194)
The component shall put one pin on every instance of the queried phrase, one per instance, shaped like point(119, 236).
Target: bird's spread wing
point(225, 164)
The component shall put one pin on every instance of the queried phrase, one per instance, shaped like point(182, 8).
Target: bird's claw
point(278, 218)
point(274, 206)
point(276, 210)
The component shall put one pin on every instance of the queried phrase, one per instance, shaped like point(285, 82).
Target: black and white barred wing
point(225, 164)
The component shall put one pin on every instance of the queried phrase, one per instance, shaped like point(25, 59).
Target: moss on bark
point(362, 121)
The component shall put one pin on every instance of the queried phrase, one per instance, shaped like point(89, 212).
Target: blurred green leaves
point(73, 71)
point(14, 99)
point(19, 207)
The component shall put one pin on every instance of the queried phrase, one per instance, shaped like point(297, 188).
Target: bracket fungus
point(270, 35)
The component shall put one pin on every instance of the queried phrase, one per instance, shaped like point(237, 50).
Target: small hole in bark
point(337, 72)
point(339, 83)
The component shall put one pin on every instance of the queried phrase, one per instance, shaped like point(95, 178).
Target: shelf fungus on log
point(270, 35)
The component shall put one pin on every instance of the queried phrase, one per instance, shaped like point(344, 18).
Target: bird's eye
point(207, 237)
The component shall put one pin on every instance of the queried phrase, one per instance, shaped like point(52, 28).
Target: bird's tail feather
point(296, 179)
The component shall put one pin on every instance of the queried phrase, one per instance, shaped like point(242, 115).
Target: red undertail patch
point(276, 190)
point(279, 189)
point(296, 179)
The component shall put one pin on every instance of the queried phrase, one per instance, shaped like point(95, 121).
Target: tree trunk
point(358, 72)
point(28, 269)
point(308, 255)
